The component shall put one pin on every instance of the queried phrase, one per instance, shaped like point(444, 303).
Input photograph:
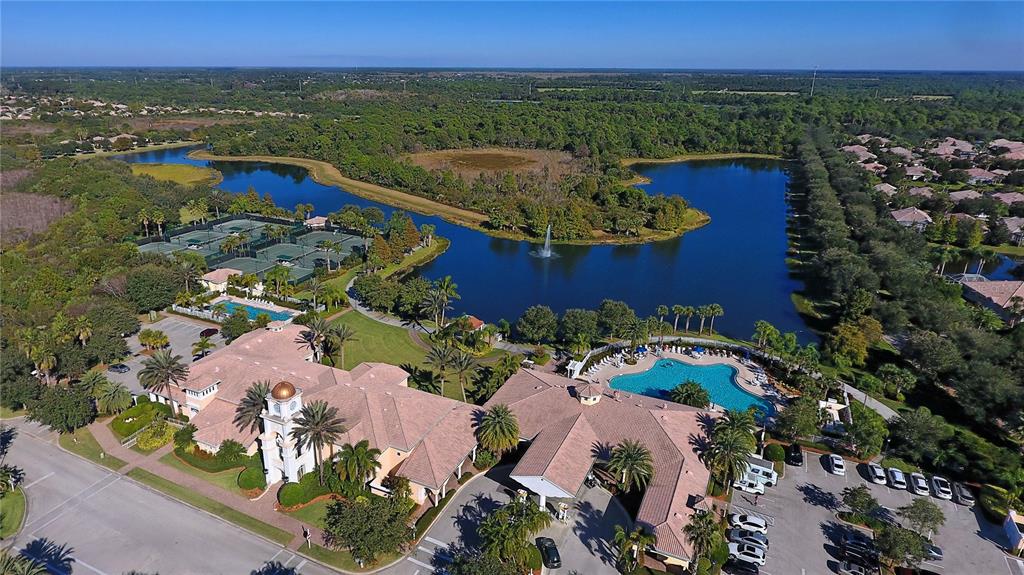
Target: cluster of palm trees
point(110, 397)
point(439, 299)
point(506, 534)
point(153, 339)
point(325, 340)
point(246, 282)
point(40, 344)
point(323, 292)
point(632, 546)
point(234, 243)
point(445, 358)
point(704, 312)
point(732, 441)
point(151, 216)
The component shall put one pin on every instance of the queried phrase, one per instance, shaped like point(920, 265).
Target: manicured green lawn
point(1009, 250)
point(82, 443)
point(313, 514)
point(219, 509)
point(6, 413)
point(343, 559)
point(375, 341)
point(227, 480)
point(12, 509)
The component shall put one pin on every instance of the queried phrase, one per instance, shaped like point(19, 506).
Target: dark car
point(795, 455)
point(740, 568)
point(119, 368)
point(209, 332)
point(549, 552)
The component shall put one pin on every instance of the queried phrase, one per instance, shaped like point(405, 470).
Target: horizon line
point(501, 68)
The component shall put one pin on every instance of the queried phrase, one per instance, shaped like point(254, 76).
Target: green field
point(6, 413)
point(380, 342)
point(343, 560)
point(206, 504)
point(184, 174)
point(227, 480)
point(12, 509)
point(313, 514)
point(82, 443)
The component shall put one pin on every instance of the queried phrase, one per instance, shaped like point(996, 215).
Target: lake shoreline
point(153, 148)
point(327, 174)
point(627, 162)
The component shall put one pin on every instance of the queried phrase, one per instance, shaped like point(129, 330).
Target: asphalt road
point(85, 519)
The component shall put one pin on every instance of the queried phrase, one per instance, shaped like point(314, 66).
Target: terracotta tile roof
point(999, 292)
point(964, 195)
point(861, 152)
point(920, 171)
point(1009, 198)
point(1008, 144)
point(1015, 224)
point(901, 152)
point(980, 174)
point(923, 191)
point(887, 189)
point(475, 323)
point(214, 424)
point(221, 275)
point(911, 215)
point(550, 415)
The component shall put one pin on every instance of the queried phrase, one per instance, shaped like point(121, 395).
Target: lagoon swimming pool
point(719, 379)
point(254, 311)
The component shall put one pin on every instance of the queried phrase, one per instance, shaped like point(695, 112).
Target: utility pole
point(813, 78)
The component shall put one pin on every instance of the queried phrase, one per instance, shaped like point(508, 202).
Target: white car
point(941, 488)
point(749, 485)
point(748, 522)
point(836, 464)
point(746, 552)
point(918, 484)
point(896, 478)
point(876, 474)
point(737, 535)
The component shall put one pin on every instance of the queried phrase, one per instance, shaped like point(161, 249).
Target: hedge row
point(209, 462)
point(141, 415)
point(307, 489)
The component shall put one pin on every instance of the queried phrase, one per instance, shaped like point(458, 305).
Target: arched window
point(277, 408)
point(293, 405)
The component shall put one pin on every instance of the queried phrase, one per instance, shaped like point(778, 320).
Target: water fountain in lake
point(545, 252)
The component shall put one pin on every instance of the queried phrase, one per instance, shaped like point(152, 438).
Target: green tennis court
point(160, 248)
point(314, 239)
point(236, 226)
point(198, 238)
point(248, 265)
point(284, 252)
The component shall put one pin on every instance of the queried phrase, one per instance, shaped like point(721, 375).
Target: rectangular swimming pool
point(254, 311)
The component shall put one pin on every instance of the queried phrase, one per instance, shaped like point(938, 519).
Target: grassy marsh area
point(184, 174)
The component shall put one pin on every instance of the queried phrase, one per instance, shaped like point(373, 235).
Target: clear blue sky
point(761, 35)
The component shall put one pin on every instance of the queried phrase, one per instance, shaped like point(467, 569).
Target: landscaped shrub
point(465, 477)
point(252, 477)
point(428, 516)
point(155, 435)
point(993, 502)
point(307, 489)
point(138, 417)
point(898, 464)
point(484, 459)
point(774, 452)
point(208, 462)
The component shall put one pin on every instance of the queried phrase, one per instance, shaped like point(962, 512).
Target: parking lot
point(181, 332)
point(803, 528)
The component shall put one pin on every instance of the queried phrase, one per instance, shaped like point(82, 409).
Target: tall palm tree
point(440, 357)
point(714, 310)
point(943, 255)
point(740, 421)
point(313, 336)
point(688, 311)
point(316, 289)
point(633, 463)
point(434, 305)
point(702, 533)
point(463, 365)
point(506, 533)
point(636, 331)
point(161, 371)
point(984, 255)
point(250, 407)
point(357, 462)
point(677, 310)
point(509, 364)
point(702, 312)
point(112, 397)
point(202, 347)
point(317, 425)
point(91, 381)
point(632, 547)
point(188, 272)
point(83, 329)
point(662, 311)
point(448, 289)
point(727, 456)
point(498, 430)
point(340, 335)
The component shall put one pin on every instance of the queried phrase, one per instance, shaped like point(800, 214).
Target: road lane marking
point(436, 542)
point(69, 499)
point(301, 565)
point(420, 563)
point(39, 480)
point(279, 551)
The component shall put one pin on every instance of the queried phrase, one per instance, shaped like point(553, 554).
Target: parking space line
point(301, 565)
point(420, 563)
point(435, 542)
point(74, 506)
point(39, 480)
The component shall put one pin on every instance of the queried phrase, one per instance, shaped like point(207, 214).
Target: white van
point(761, 470)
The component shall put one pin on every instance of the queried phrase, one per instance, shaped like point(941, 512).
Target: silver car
point(918, 484)
point(876, 474)
point(738, 535)
point(896, 478)
point(942, 488)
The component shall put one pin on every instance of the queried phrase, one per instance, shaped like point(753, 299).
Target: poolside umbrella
point(698, 349)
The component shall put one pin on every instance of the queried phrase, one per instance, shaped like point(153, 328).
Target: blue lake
point(737, 261)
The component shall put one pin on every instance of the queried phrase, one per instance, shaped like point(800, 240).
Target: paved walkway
point(262, 508)
point(870, 402)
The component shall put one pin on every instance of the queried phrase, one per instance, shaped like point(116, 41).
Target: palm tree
point(202, 347)
point(313, 336)
point(463, 365)
point(509, 364)
point(688, 311)
point(91, 382)
point(83, 329)
point(943, 255)
point(340, 335)
point(250, 407)
point(662, 311)
point(317, 425)
point(677, 310)
point(112, 397)
point(187, 272)
point(162, 370)
point(316, 289)
point(19, 565)
point(357, 462)
point(703, 312)
point(440, 358)
point(447, 288)
point(434, 305)
point(632, 547)
point(143, 218)
point(727, 456)
point(506, 533)
point(636, 331)
point(277, 277)
point(702, 533)
point(714, 310)
point(633, 463)
point(498, 430)
point(740, 421)
point(984, 255)
point(690, 393)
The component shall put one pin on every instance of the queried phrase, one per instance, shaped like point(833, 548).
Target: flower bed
point(138, 417)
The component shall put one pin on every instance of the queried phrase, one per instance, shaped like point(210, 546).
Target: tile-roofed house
point(424, 437)
point(980, 176)
point(912, 218)
point(861, 152)
point(920, 172)
point(962, 195)
point(901, 152)
point(921, 191)
point(217, 280)
point(474, 322)
point(1005, 297)
point(1011, 145)
point(1016, 227)
point(316, 222)
point(874, 167)
point(572, 424)
point(887, 189)
point(865, 138)
point(1009, 198)
point(952, 147)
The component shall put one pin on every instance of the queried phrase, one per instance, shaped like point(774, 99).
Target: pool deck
point(744, 375)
